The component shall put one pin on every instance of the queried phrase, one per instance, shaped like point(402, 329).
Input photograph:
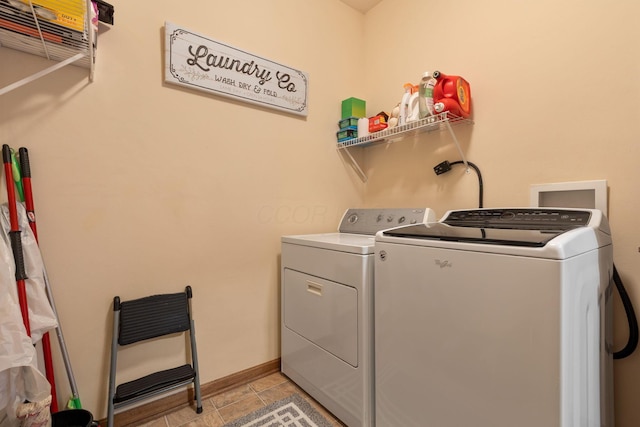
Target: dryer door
point(323, 312)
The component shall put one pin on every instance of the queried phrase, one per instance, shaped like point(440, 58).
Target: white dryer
point(495, 318)
point(327, 310)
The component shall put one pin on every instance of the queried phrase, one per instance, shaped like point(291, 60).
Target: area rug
point(293, 411)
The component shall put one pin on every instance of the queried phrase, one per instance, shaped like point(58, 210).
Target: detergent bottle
point(453, 94)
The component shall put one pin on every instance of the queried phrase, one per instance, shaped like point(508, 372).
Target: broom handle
point(25, 169)
point(63, 347)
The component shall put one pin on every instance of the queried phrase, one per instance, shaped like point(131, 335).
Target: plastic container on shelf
point(425, 100)
point(349, 121)
point(347, 133)
point(404, 105)
point(363, 127)
point(354, 107)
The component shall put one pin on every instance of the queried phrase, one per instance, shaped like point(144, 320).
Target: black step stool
point(143, 319)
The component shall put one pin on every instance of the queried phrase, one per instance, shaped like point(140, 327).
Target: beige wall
point(143, 187)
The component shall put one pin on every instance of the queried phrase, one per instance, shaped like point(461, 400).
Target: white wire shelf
point(64, 36)
point(439, 122)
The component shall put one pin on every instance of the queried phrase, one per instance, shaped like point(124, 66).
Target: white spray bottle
point(425, 100)
point(404, 105)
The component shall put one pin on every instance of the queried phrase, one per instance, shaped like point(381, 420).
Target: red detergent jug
point(453, 94)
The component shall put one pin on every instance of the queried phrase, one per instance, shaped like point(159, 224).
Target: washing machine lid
point(545, 219)
point(344, 242)
point(525, 227)
point(486, 235)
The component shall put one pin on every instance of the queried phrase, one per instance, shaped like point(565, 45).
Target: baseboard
point(147, 412)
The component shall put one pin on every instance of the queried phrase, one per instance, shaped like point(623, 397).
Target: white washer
point(495, 317)
point(327, 310)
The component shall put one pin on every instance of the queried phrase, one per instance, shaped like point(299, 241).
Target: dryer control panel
point(370, 221)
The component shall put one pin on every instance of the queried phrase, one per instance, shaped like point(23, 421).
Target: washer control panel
point(370, 221)
point(535, 218)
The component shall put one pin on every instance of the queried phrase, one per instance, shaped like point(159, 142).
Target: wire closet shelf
point(65, 36)
point(438, 122)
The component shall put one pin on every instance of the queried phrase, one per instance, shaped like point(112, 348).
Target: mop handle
point(25, 169)
point(14, 236)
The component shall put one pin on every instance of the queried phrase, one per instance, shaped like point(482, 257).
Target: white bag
point(41, 316)
point(20, 379)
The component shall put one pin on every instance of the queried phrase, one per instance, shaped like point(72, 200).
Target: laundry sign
point(198, 62)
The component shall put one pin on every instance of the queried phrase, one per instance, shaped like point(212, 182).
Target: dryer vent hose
point(632, 343)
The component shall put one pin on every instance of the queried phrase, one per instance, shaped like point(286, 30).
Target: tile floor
point(233, 404)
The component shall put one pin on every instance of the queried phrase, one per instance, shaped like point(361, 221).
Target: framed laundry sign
point(195, 61)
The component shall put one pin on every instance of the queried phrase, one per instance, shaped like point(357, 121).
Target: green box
point(354, 107)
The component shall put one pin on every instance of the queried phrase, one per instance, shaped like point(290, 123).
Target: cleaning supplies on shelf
point(353, 109)
point(363, 127)
point(349, 121)
point(425, 100)
point(404, 104)
point(414, 110)
point(434, 94)
point(452, 94)
point(347, 133)
point(348, 129)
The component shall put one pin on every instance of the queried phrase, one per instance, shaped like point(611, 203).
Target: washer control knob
point(401, 220)
point(390, 218)
point(379, 218)
point(353, 218)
